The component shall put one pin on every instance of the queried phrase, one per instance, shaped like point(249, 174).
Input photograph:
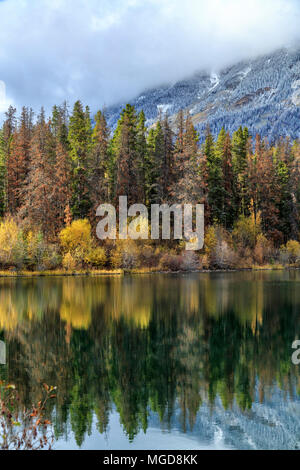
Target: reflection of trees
point(148, 343)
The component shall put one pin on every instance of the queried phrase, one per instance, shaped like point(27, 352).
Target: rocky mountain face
point(263, 94)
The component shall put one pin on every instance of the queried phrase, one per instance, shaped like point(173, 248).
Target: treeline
point(56, 170)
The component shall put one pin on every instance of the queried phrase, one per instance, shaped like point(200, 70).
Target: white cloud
point(104, 51)
point(4, 101)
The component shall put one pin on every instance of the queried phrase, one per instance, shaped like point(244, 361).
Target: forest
point(54, 173)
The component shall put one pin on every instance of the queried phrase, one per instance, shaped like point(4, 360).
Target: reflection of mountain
point(201, 353)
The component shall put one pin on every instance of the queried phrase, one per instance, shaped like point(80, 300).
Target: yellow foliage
point(246, 231)
point(125, 255)
point(293, 250)
point(96, 257)
point(12, 250)
point(210, 241)
point(76, 237)
point(69, 262)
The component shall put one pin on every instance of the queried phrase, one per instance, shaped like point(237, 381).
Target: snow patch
point(214, 80)
point(296, 84)
point(163, 108)
point(296, 98)
point(245, 72)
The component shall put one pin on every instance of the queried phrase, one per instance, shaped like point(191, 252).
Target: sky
point(108, 51)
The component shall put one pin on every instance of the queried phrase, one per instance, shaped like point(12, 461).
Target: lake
point(195, 361)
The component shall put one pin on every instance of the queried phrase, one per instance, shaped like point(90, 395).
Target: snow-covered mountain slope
point(263, 94)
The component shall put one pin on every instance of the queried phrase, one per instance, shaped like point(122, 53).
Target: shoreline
point(131, 272)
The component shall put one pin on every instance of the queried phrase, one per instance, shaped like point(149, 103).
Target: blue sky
point(106, 51)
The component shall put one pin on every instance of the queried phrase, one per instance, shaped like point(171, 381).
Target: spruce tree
point(80, 145)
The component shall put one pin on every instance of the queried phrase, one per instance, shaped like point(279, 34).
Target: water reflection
point(176, 349)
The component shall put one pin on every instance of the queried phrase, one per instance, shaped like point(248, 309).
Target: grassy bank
point(140, 271)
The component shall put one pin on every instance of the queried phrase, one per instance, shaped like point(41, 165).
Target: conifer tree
point(2, 175)
point(125, 157)
point(142, 154)
point(80, 145)
point(239, 157)
point(100, 161)
point(229, 211)
point(18, 162)
point(189, 188)
point(214, 153)
point(40, 193)
point(155, 182)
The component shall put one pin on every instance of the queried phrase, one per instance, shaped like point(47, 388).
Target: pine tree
point(18, 162)
point(155, 183)
point(213, 153)
point(80, 146)
point(229, 211)
point(189, 188)
point(126, 157)
point(40, 193)
point(142, 154)
point(100, 161)
point(2, 175)
point(239, 158)
point(62, 184)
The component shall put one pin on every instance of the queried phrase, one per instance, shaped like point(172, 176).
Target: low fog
point(104, 52)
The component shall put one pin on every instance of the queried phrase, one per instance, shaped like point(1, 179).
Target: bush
point(76, 237)
point(39, 254)
point(263, 250)
point(293, 250)
point(96, 257)
point(190, 261)
point(126, 255)
point(69, 262)
point(290, 253)
point(224, 256)
point(148, 257)
point(171, 262)
point(246, 231)
point(12, 245)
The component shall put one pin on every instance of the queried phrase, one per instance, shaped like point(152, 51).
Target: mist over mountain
point(262, 93)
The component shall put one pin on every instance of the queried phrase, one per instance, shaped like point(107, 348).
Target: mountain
point(263, 94)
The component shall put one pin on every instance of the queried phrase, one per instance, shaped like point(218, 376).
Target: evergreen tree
point(80, 145)
point(18, 162)
point(239, 158)
point(40, 192)
point(100, 161)
point(214, 159)
point(126, 158)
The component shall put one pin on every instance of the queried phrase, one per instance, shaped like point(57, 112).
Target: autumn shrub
point(190, 261)
point(290, 253)
point(125, 255)
point(41, 255)
point(224, 256)
point(96, 257)
point(246, 231)
point(69, 262)
point(263, 251)
point(219, 252)
point(171, 262)
point(76, 239)
point(12, 244)
point(148, 256)
point(210, 242)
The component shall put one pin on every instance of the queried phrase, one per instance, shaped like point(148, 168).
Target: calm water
point(159, 362)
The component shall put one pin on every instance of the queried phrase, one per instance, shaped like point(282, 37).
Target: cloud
point(105, 51)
